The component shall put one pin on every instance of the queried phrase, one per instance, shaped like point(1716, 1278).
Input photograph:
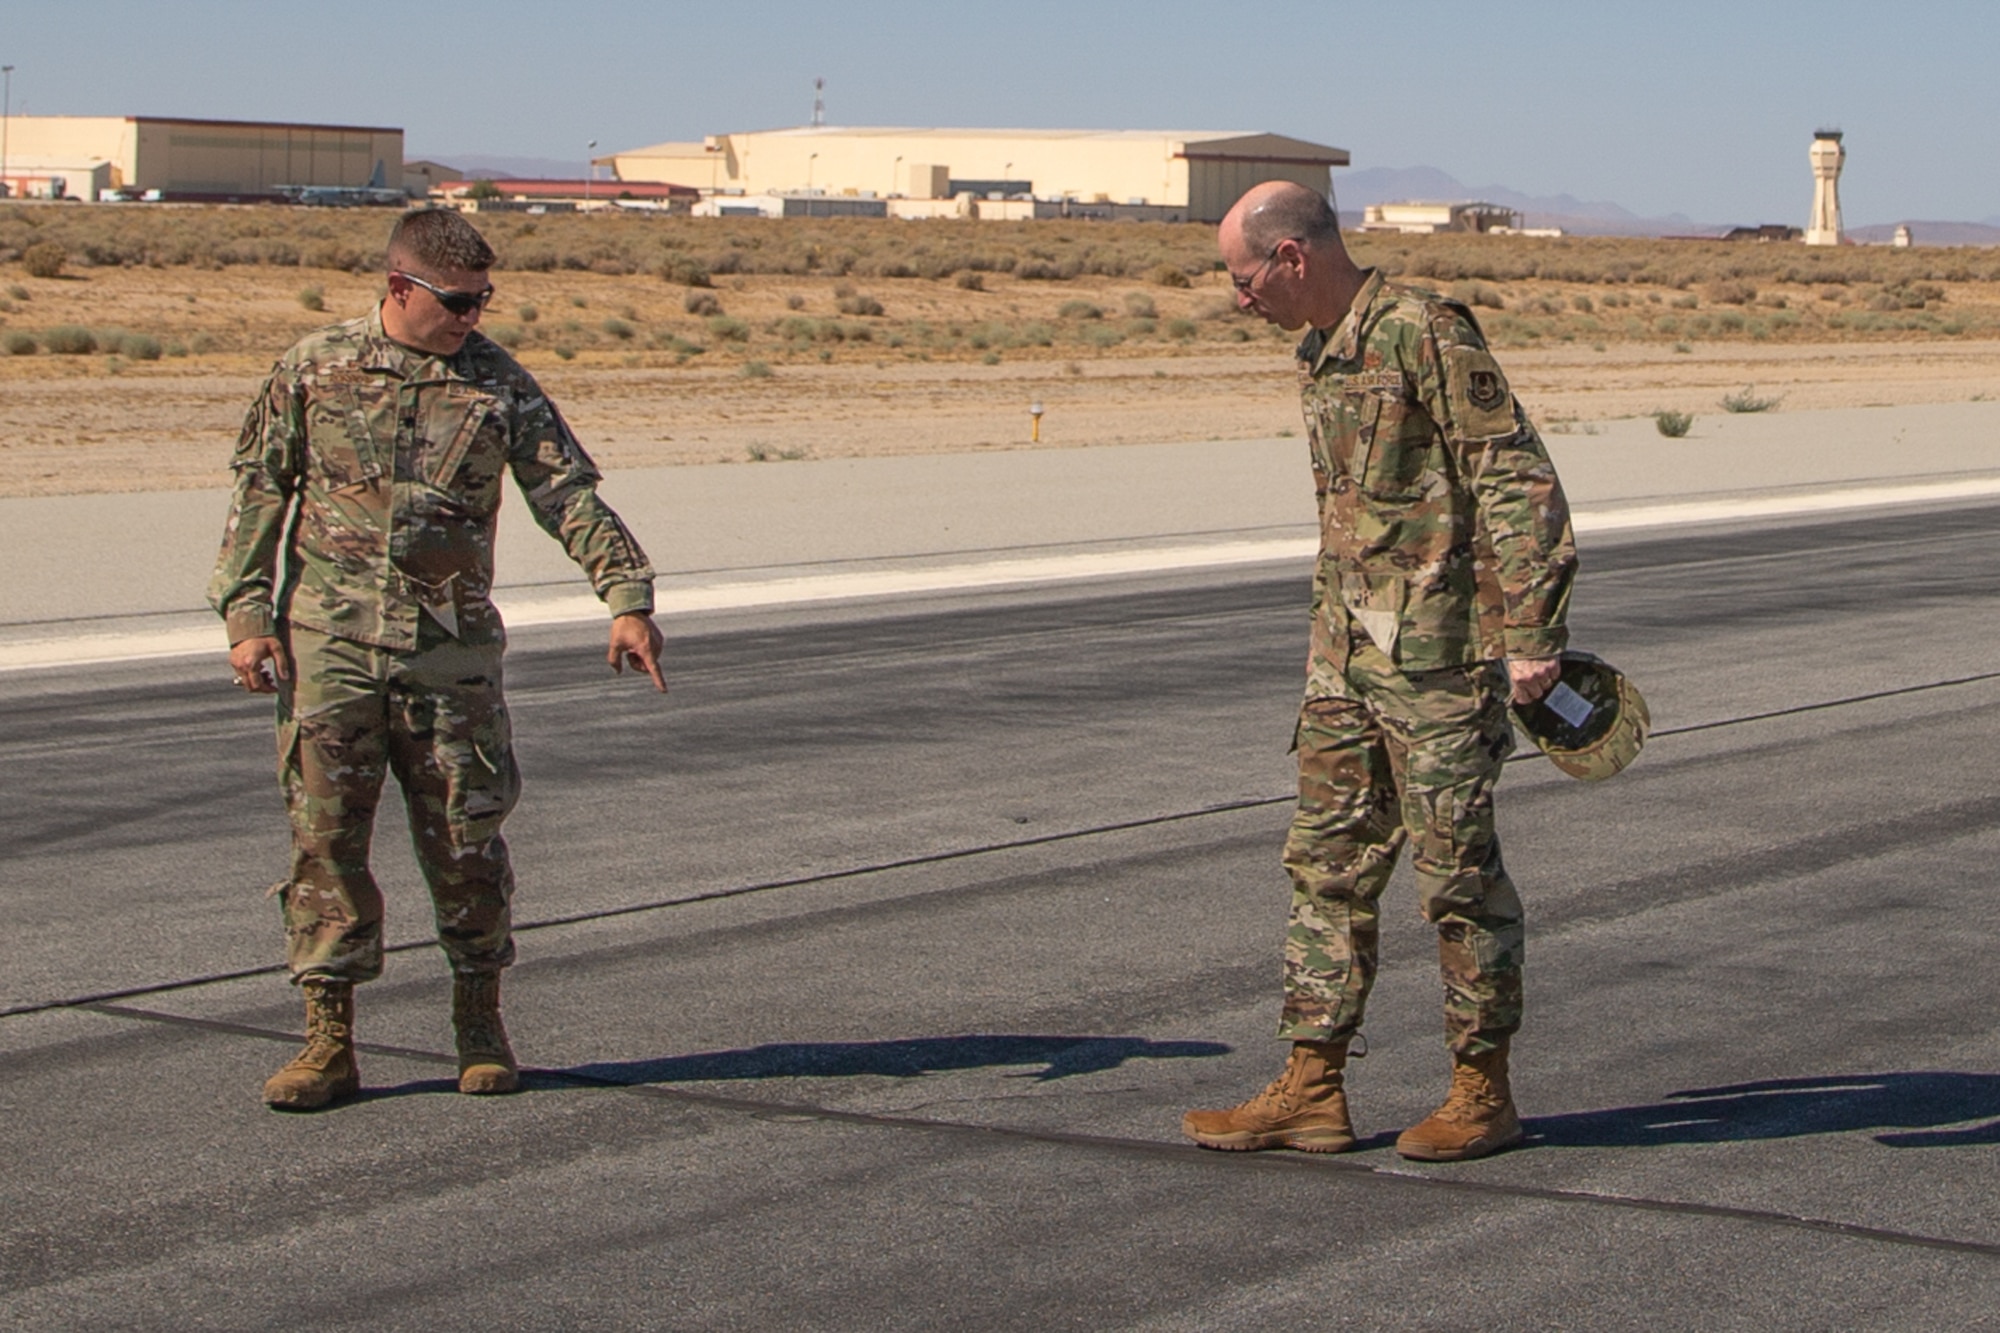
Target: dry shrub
point(1169, 275)
point(70, 340)
point(685, 270)
point(701, 303)
point(1731, 292)
point(44, 259)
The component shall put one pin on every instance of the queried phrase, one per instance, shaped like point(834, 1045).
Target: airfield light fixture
point(1035, 415)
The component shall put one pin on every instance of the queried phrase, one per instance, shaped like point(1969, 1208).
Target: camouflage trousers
point(1403, 758)
point(435, 717)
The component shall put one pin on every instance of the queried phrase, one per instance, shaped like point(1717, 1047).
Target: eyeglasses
point(458, 303)
point(1243, 285)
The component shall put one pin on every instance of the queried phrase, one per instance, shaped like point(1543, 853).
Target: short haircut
point(438, 238)
point(1293, 214)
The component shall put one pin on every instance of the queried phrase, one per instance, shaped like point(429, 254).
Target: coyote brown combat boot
point(1304, 1108)
point(485, 1060)
point(325, 1069)
point(1477, 1117)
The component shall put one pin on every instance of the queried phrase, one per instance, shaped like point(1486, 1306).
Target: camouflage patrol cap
point(1592, 723)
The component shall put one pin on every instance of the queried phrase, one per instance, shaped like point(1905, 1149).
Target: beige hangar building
point(1189, 175)
point(197, 159)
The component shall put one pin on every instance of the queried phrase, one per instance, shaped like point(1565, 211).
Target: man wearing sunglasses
point(355, 579)
point(1440, 594)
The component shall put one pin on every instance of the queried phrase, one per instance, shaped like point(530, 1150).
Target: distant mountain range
point(478, 166)
point(1378, 185)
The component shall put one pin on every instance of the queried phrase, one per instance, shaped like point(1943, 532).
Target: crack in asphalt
point(948, 855)
point(1180, 1154)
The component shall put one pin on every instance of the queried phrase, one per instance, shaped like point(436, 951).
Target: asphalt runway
point(866, 978)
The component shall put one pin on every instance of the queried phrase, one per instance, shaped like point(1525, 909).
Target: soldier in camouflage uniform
point(1440, 593)
point(355, 579)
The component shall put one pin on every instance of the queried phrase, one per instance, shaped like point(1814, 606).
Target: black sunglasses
point(458, 303)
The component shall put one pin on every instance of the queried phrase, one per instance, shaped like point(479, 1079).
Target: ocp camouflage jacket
point(1444, 534)
point(393, 459)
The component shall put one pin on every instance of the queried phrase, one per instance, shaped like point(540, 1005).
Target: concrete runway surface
point(866, 977)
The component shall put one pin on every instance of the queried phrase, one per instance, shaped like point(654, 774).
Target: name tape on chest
point(1389, 382)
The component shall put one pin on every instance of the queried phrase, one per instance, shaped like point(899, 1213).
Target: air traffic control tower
point(1827, 157)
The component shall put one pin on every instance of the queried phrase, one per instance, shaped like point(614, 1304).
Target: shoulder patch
point(1477, 397)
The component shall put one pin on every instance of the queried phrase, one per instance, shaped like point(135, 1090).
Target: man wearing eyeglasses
point(1441, 592)
point(355, 579)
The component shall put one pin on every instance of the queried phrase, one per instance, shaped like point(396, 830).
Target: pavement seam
point(938, 858)
point(1180, 1153)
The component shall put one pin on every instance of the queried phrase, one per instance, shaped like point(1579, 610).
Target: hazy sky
point(1704, 107)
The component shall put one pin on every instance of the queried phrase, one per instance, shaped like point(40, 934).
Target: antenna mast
point(819, 103)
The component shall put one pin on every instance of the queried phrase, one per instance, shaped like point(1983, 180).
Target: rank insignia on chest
point(1485, 390)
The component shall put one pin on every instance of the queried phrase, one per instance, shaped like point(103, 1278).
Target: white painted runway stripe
point(84, 649)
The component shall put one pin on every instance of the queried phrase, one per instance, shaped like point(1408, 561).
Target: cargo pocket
point(288, 758)
point(482, 781)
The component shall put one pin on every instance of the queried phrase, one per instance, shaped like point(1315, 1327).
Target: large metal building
point(205, 159)
point(1195, 174)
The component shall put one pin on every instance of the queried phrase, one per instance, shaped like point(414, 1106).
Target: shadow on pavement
point(1921, 1110)
point(1060, 1057)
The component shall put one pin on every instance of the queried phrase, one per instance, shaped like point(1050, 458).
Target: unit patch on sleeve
point(1485, 389)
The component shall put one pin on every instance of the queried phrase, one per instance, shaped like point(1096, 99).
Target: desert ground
point(748, 367)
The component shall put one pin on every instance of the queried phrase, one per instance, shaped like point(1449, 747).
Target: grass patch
point(18, 343)
point(312, 298)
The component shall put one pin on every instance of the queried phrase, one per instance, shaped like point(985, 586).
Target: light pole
point(810, 158)
point(6, 117)
point(589, 170)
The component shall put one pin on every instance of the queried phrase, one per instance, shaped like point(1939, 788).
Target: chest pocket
point(1393, 441)
point(474, 452)
point(352, 429)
